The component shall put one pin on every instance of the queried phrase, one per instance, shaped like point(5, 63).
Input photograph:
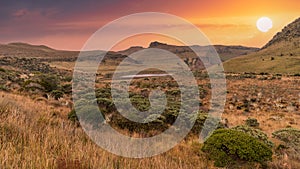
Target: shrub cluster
point(229, 147)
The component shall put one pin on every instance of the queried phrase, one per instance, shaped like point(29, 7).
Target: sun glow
point(264, 24)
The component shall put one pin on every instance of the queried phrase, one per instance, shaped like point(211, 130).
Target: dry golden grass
point(37, 135)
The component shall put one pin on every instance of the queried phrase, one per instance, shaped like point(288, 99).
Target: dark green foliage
point(256, 133)
point(72, 116)
point(174, 92)
point(211, 123)
point(199, 121)
point(263, 73)
point(229, 147)
point(68, 78)
point(4, 88)
point(90, 114)
point(103, 93)
point(57, 94)
point(252, 122)
point(140, 102)
point(297, 74)
point(67, 88)
point(120, 122)
point(106, 105)
point(49, 82)
point(2, 70)
point(290, 137)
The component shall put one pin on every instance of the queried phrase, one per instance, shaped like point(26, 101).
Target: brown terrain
point(39, 128)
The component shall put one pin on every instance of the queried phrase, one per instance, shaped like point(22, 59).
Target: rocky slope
point(280, 55)
point(288, 33)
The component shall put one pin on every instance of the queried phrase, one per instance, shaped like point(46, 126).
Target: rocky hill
point(288, 33)
point(280, 55)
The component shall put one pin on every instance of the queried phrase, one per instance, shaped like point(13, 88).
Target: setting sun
point(264, 24)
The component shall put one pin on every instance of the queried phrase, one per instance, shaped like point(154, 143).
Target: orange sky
point(65, 25)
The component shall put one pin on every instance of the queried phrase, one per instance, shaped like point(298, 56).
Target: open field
point(37, 133)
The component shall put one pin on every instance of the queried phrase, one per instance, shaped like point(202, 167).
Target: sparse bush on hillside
point(252, 122)
point(67, 88)
point(297, 74)
point(68, 78)
point(229, 147)
point(4, 88)
point(49, 82)
point(72, 116)
point(90, 115)
point(290, 137)
point(263, 78)
point(57, 94)
point(263, 73)
point(210, 123)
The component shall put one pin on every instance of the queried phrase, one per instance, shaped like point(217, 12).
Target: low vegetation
point(229, 148)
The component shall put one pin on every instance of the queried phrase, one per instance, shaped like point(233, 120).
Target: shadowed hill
point(24, 50)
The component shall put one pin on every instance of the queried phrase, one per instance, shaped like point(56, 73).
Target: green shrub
point(290, 137)
point(105, 105)
point(211, 123)
point(49, 82)
point(4, 88)
point(67, 88)
point(57, 94)
point(252, 122)
point(72, 116)
point(68, 78)
point(90, 114)
point(229, 147)
point(256, 133)
point(2, 70)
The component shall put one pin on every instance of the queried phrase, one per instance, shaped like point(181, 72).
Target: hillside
point(280, 55)
point(24, 50)
point(225, 52)
point(190, 57)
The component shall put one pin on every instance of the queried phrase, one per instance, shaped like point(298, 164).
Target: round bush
point(228, 147)
point(256, 133)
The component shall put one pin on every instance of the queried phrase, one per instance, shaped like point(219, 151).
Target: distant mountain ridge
point(225, 52)
point(47, 54)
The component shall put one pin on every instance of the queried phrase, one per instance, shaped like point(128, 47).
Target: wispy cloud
point(20, 13)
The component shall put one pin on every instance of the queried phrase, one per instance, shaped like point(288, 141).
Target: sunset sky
point(68, 24)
